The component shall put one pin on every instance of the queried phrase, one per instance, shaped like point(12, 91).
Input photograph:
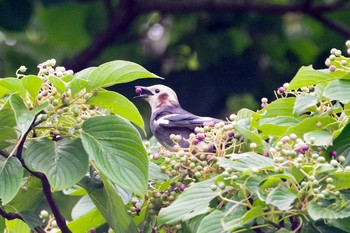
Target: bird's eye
point(157, 91)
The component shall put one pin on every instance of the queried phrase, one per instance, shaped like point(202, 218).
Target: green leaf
point(31, 218)
point(117, 104)
point(280, 107)
point(336, 89)
point(33, 189)
point(249, 134)
point(196, 197)
point(24, 117)
point(83, 224)
point(246, 161)
point(212, 223)
point(76, 85)
point(82, 207)
point(321, 137)
point(13, 85)
point(111, 206)
point(342, 144)
point(276, 126)
point(341, 180)
point(17, 226)
point(244, 113)
point(307, 76)
point(116, 148)
point(155, 173)
point(343, 224)
point(281, 198)
point(253, 213)
point(58, 83)
point(312, 124)
point(11, 173)
point(64, 162)
point(303, 102)
point(335, 209)
point(116, 72)
point(32, 84)
point(84, 74)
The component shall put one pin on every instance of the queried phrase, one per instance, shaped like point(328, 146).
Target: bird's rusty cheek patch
point(162, 100)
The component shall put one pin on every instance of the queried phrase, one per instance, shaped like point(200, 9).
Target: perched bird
point(168, 117)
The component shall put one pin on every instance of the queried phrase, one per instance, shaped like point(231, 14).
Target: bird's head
point(158, 96)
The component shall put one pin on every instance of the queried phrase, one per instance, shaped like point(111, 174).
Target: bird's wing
point(183, 120)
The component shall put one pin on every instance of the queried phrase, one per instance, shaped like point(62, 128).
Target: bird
point(169, 118)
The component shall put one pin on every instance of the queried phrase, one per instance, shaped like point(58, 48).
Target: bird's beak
point(142, 92)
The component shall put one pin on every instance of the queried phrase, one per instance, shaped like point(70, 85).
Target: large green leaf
point(23, 116)
point(281, 198)
point(13, 85)
point(336, 91)
point(32, 84)
point(341, 180)
point(320, 137)
point(31, 218)
point(280, 107)
point(58, 84)
point(110, 205)
point(212, 223)
point(118, 104)
point(11, 173)
point(116, 148)
point(307, 76)
point(331, 209)
point(93, 219)
point(312, 124)
point(196, 197)
point(276, 126)
point(33, 189)
point(246, 161)
point(115, 72)
point(77, 84)
point(64, 162)
point(303, 102)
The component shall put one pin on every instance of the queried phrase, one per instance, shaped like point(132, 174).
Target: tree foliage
point(283, 168)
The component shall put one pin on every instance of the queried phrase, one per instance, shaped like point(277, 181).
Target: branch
point(333, 25)
point(12, 216)
point(61, 222)
point(113, 32)
point(127, 11)
point(185, 6)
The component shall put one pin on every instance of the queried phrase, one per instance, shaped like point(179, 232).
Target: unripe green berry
point(225, 174)
point(213, 187)
point(197, 174)
point(329, 180)
point(321, 159)
point(221, 185)
point(44, 214)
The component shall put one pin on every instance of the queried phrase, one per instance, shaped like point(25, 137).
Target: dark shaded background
point(219, 55)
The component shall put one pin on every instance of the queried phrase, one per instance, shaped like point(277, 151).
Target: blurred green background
point(219, 56)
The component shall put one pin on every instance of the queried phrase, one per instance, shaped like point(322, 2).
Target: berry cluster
point(66, 112)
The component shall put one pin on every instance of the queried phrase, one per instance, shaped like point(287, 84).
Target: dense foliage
point(66, 139)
